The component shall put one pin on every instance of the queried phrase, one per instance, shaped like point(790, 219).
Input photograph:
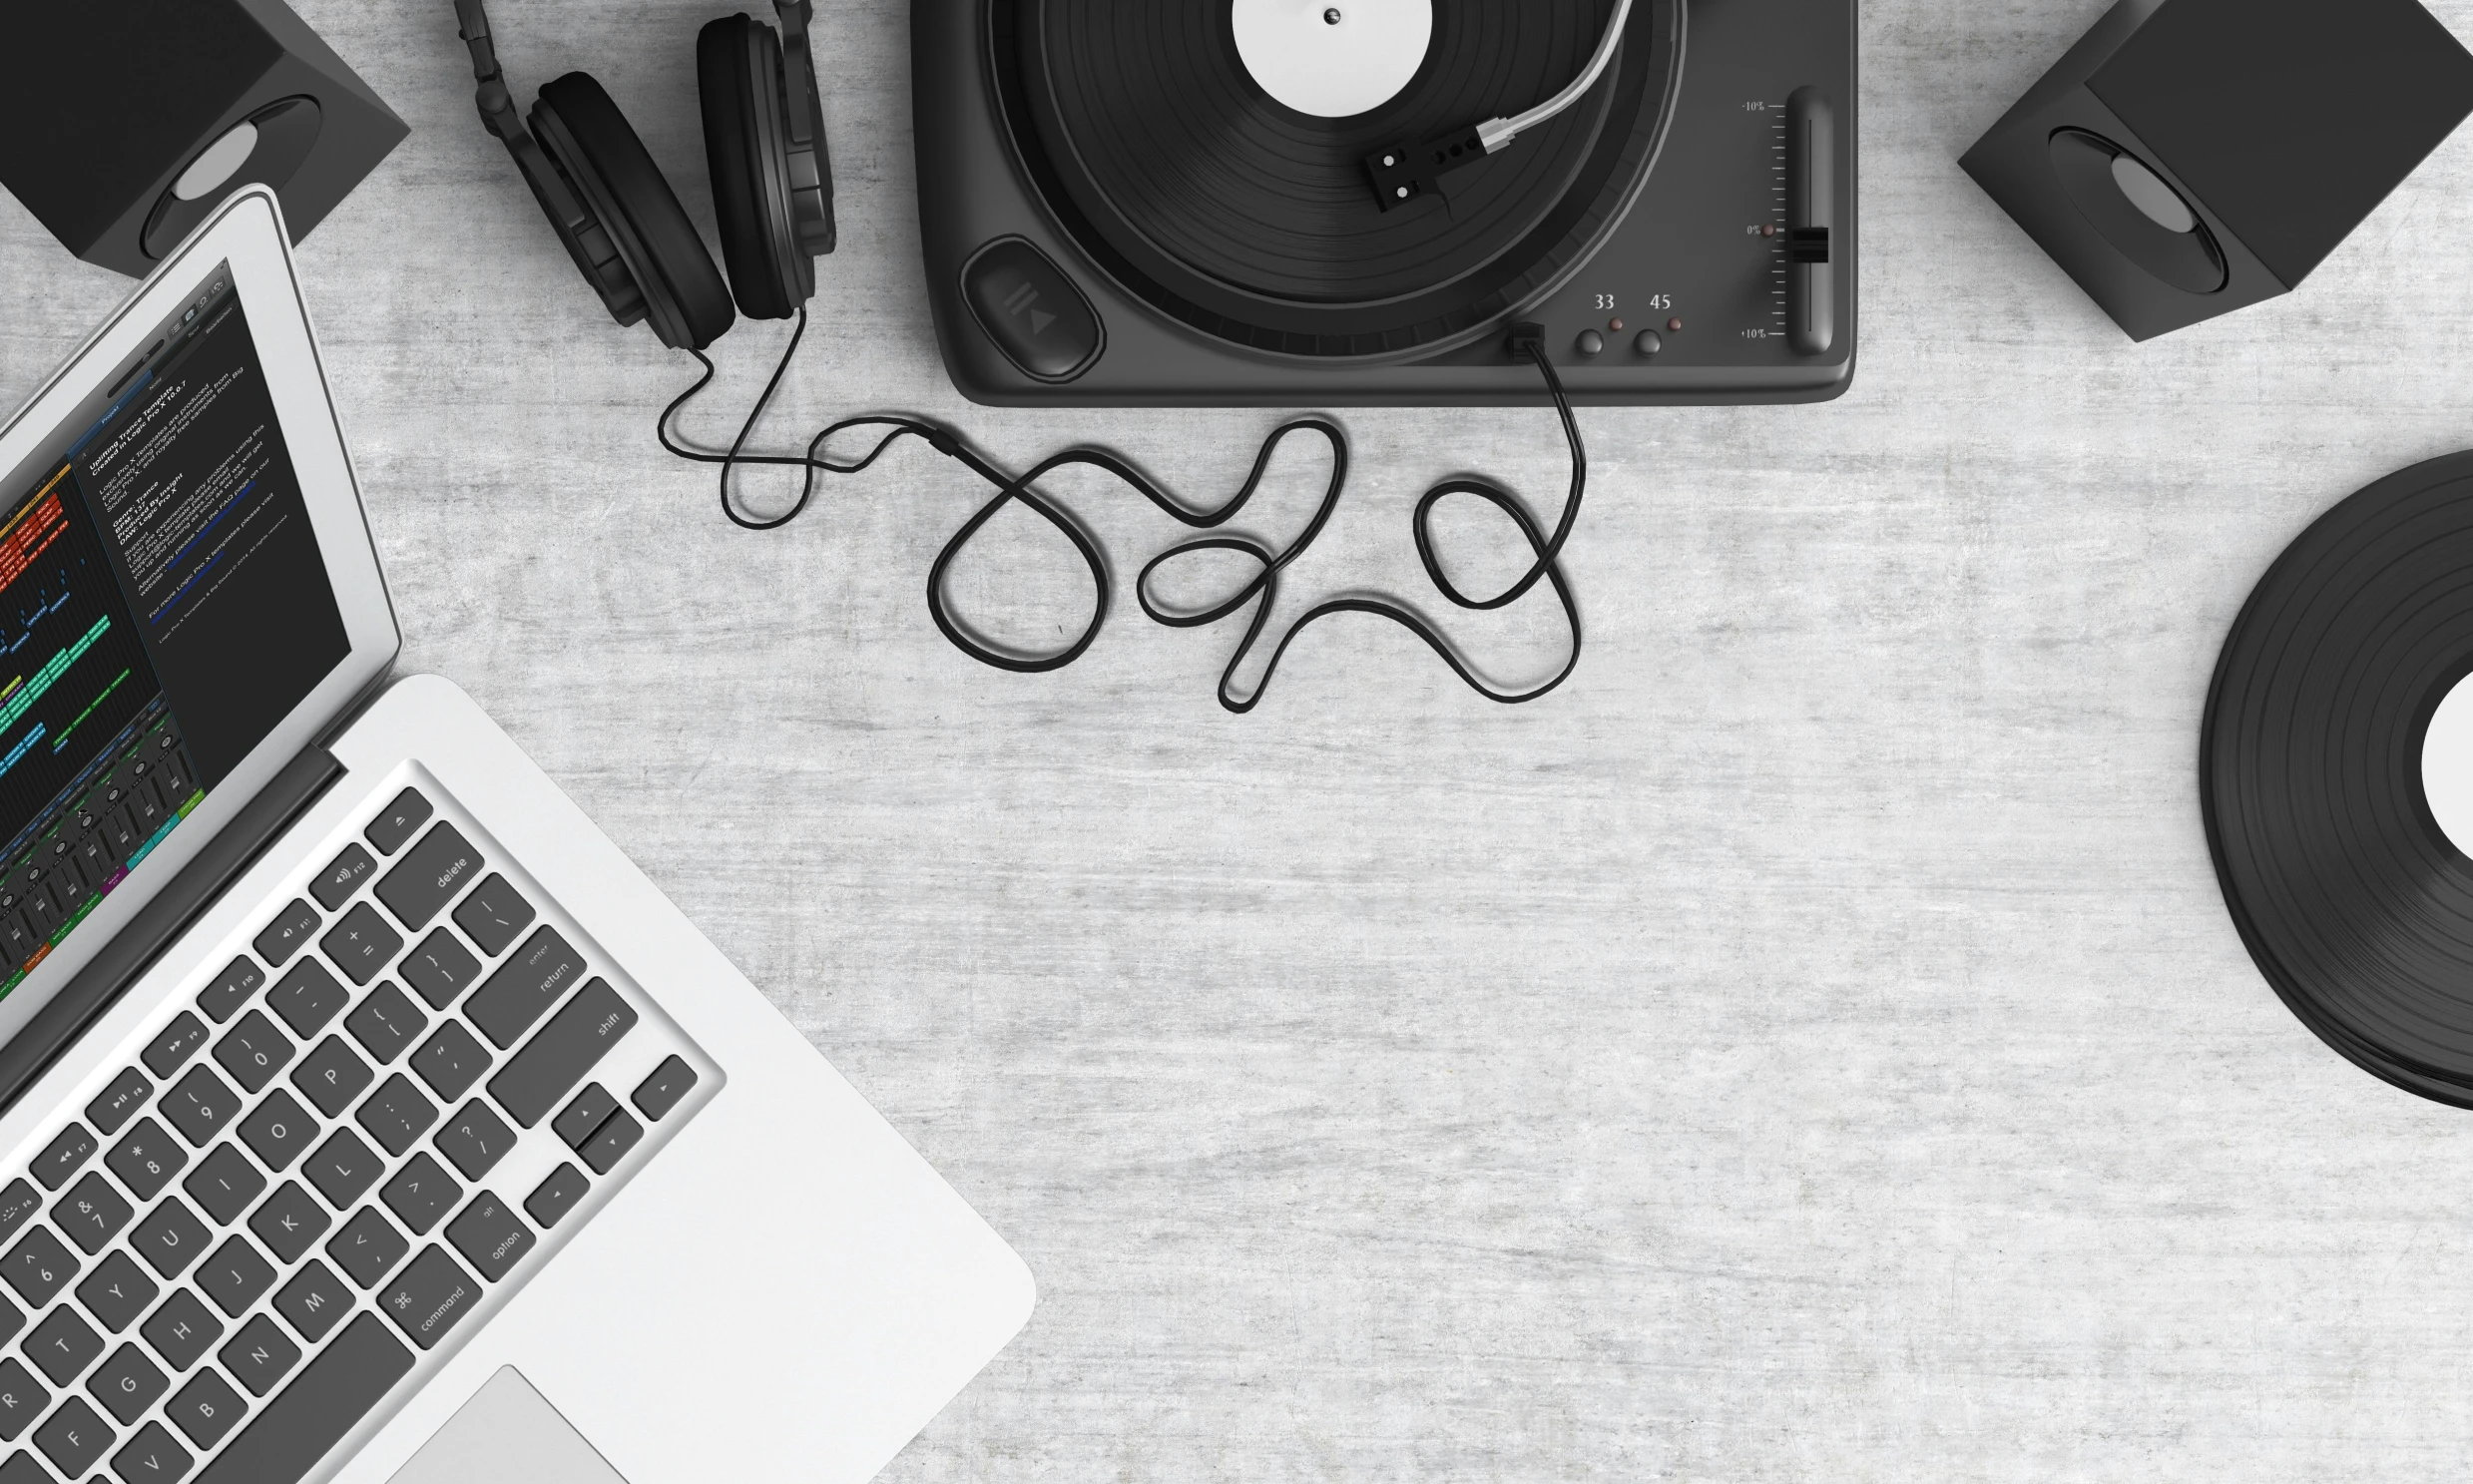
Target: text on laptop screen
point(162, 606)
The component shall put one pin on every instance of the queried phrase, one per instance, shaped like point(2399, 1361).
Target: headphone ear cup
point(738, 82)
point(582, 129)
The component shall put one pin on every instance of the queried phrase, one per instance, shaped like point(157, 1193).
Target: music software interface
point(163, 605)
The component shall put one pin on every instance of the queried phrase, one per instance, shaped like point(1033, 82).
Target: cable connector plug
point(1527, 339)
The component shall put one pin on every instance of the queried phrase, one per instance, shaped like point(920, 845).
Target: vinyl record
point(2355, 906)
point(1181, 176)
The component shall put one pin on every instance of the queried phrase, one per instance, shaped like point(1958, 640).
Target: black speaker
point(124, 124)
point(2192, 156)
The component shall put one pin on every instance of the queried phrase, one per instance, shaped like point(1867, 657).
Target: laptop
point(368, 1115)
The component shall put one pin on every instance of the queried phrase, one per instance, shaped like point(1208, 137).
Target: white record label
point(1332, 58)
point(2447, 765)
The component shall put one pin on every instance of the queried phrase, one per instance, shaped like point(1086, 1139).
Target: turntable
point(1282, 202)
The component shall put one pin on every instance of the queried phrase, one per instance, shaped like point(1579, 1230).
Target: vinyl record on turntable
point(1197, 152)
point(2337, 778)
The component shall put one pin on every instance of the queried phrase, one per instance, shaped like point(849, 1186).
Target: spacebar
point(316, 1410)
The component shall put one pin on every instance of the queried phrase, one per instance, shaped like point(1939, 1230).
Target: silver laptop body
point(369, 1116)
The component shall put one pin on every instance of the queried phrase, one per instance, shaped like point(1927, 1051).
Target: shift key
point(540, 1076)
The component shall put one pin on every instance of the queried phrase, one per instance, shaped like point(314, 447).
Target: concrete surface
point(1810, 1045)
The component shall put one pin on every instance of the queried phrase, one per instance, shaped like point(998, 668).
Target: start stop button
point(1033, 313)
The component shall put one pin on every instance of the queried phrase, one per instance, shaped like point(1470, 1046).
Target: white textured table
point(1810, 1045)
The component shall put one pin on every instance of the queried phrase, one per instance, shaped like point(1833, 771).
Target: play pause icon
point(1020, 302)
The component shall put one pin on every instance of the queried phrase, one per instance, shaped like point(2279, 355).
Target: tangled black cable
point(1527, 341)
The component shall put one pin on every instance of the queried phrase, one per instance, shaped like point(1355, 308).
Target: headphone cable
point(1527, 341)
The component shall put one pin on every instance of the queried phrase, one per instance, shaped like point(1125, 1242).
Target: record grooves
point(2355, 906)
point(1159, 154)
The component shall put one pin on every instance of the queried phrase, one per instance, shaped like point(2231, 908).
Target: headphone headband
point(586, 241)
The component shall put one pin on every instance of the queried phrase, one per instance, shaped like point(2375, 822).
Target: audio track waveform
point(53, 668)
point(32, 532)
point(63, 739)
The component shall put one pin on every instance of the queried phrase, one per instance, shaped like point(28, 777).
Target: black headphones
point(772, 179)
point(772, 191)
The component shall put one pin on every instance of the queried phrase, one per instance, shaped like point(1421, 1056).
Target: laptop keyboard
point(312, 1179)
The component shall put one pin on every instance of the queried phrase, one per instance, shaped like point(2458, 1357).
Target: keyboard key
point(330, 1398)
point(422, 1192)
point(475, 1139)
point(397, 1115)
point(206, 1409)
point(199, 1106)
point(289, 1221)
point(92, 1213)
point(610, 1143)
point(277, 1129)
point(331, 1076)
point(315, 1302)
point(17, 1204)
point(289, 934)
point(22, 1399)
point(235, 1276)
point(75, 1438)
point(491, 1237)
point(176, 1044)
point(367, 1249)
point(450, 1061)
point(342, 1169)
point(253, 1051)
point(432, 874)
point(385, 1023)
point(540, 1076)
point(170, 1239)
point(429, 1297)
point(658, 1094)
point(224, 1184)
point(556, 1195)
point(62, 1157)
point(590, 1110)
point(147, 1160)
point(232, 989)
point(61, 1346)
point(117, 1292)
point(12, 1320)
point(259, 1355)
point(37, 1267)
point(396, 823)
point(524, 990)
point(439, 967)
point(127, 1384)
point(182, 1330)
point(118, 1102)
point(308, 997)
point(151, 1455)
point(361, 944)
point(341, 877)
point(493, 916)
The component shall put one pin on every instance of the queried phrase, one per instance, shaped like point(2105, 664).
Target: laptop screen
point(162, 606)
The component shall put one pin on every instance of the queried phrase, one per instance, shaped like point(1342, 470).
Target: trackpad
point(507, 1435)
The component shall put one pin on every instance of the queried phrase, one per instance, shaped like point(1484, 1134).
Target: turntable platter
point(1175, 169)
